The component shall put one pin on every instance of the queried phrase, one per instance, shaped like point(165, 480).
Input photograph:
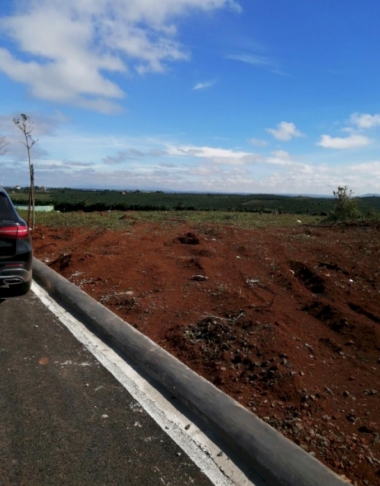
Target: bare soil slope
point(286, 321)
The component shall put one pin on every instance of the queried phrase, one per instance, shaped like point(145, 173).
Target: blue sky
point(261, 96)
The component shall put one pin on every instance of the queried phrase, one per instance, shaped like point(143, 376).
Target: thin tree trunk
point(29, 206)
point(33, 199)
point(31, 191)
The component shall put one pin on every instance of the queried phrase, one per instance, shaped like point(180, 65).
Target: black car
point(15, 250)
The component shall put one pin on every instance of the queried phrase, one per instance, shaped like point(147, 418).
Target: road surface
point(65, 420)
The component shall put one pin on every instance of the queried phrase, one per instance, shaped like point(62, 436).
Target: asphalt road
point(65, 420)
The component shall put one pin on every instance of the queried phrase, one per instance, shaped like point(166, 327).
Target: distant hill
point(370, 195)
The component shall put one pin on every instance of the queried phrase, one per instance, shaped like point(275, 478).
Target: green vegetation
point(346, 206)
point(70, 200)
point(117, 220)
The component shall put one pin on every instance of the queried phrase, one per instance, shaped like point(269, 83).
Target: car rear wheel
point(16, 290)
point(23, 288)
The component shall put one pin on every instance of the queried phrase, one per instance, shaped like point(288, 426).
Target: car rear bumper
point(14, 276)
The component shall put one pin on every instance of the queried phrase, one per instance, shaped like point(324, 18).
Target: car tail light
point(16, 232)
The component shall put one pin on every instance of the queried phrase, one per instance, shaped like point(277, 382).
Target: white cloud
point(364, 120)
point(234, 158)
point(301, 179)
point(251, 59)
point(339, 143)
point(204, 85)
point(285, 159)
point(72, 163)
point(122, 156)
point(72, 46)
point(217, 155)
point(372, 168)
point(257, 61)
point(156, 164)
point(349, 130)
point(131, 154)
point(282, 154)
point(258, 142)
point(285, 131)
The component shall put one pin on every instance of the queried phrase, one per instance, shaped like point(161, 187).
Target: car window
point(6, 209)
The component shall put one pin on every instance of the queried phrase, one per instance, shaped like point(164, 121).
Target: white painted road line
point(201, 450)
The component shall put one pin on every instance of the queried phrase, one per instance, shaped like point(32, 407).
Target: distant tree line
point(65, 199)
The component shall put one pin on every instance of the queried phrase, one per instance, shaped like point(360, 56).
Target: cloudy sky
point(266, 96)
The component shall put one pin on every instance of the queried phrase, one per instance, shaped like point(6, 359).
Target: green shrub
point(346, 206)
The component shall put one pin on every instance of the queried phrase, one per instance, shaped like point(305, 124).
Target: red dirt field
point(285, 320)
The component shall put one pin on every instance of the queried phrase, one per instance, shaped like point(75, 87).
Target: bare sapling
point(25, 124)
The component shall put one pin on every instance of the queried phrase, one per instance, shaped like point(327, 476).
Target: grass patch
point(114, 220)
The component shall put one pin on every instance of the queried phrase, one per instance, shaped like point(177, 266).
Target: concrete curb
point(264, 450)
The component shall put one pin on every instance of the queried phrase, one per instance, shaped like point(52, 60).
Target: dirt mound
point(284, 320)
